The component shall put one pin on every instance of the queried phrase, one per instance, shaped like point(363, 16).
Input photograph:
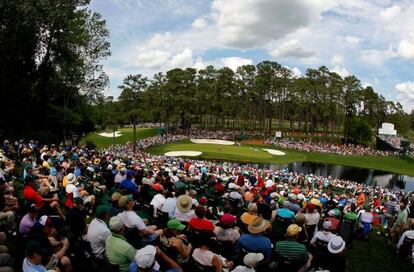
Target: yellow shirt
point(46, 165)
point(65, 181)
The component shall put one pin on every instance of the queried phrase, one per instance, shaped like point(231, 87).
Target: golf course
point(251, 153)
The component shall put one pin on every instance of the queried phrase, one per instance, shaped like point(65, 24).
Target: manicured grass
point(102, 142)
point(247, 153)
point(374, 255)
point(243, 153)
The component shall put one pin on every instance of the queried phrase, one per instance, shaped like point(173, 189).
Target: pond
point(367, 176)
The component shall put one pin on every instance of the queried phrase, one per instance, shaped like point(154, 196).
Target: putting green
point(236, 153)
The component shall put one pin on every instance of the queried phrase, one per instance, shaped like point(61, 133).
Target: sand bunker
point(274, 152)
point(111, 134)
point(211, 141)
point(183, 153)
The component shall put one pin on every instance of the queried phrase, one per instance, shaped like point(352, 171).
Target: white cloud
point(234, 62)
point(377, 57)
point(291, 48)
point(343, 72)
point(199, 23)
point(405, 95)
point(406, 49)
point(199, 64)
point(337, 59)
point(390, 12)
point(182, 60)
point(152, 59)
point(245, 24)
point(352, 40)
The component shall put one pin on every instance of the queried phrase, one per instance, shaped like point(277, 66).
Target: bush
point(90, 145)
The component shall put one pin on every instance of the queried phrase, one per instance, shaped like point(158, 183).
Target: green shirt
point(293, 251)
point(119, 251)
point(402, 217)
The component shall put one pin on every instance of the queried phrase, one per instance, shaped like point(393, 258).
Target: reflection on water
point(367, 176)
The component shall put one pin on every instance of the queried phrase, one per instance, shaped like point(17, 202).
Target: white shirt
point(366, 217)
point(409, 234)
point(157, 201)
point(70, 188)
point(204, 257)
point(169, 206)
point(323, 236)
point(96, 235)
point(132, 220)
point(184, 217)
point(241, 268)
point(119, 178)
point(312, 218)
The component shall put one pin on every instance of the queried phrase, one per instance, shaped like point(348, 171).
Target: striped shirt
point(292, 251)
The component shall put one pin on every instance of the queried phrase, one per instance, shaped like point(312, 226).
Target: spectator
point(294, 252)
point(118, 251)
point(98, 231)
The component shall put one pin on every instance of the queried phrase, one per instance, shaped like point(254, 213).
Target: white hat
point(145, 257)
point(233, 186)
point(336, 245)
point(71, 178)
point(331, 213)
point(251, 259)
point(115, 223)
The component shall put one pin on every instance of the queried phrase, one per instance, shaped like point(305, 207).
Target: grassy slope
point(245, 153)
point(374, 255)
point(101, 141)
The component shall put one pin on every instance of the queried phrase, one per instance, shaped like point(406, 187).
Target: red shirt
point(201, 224)
point(31, 195)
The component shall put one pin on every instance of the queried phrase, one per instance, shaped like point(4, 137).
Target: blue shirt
point(254, 243)
point(133, 267)
point(30, 267)
point(128, 184)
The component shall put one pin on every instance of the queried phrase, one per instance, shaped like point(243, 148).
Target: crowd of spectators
point(329, 148)
point(119, 211)
point(394, 141)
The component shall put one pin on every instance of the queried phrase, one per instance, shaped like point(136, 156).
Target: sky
point(373, 40)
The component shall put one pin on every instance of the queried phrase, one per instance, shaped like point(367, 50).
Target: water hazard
point(367, 176)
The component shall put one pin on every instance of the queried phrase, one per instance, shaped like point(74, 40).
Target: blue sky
point(373, 40)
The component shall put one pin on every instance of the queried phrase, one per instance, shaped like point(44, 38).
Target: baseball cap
point(115, 223)
point(202, 200)
point(327, 224)
point(45, 221)
point(251, 259)
point(123, 200)
point(175, 224)
point(157, 187)
point(115, 196)
point(145, 256)
point(227, 219)
point(293, 229)
point(101, 210)
point(78, 200)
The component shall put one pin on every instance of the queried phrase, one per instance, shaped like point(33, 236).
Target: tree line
point(50, 71)
point(259, 99)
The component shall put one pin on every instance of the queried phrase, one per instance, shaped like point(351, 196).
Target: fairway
point(101, 141)
point(255, 154)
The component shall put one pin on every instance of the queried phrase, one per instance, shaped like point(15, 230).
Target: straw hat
point(71, 178)
point(184, 203)
point(258, 225)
